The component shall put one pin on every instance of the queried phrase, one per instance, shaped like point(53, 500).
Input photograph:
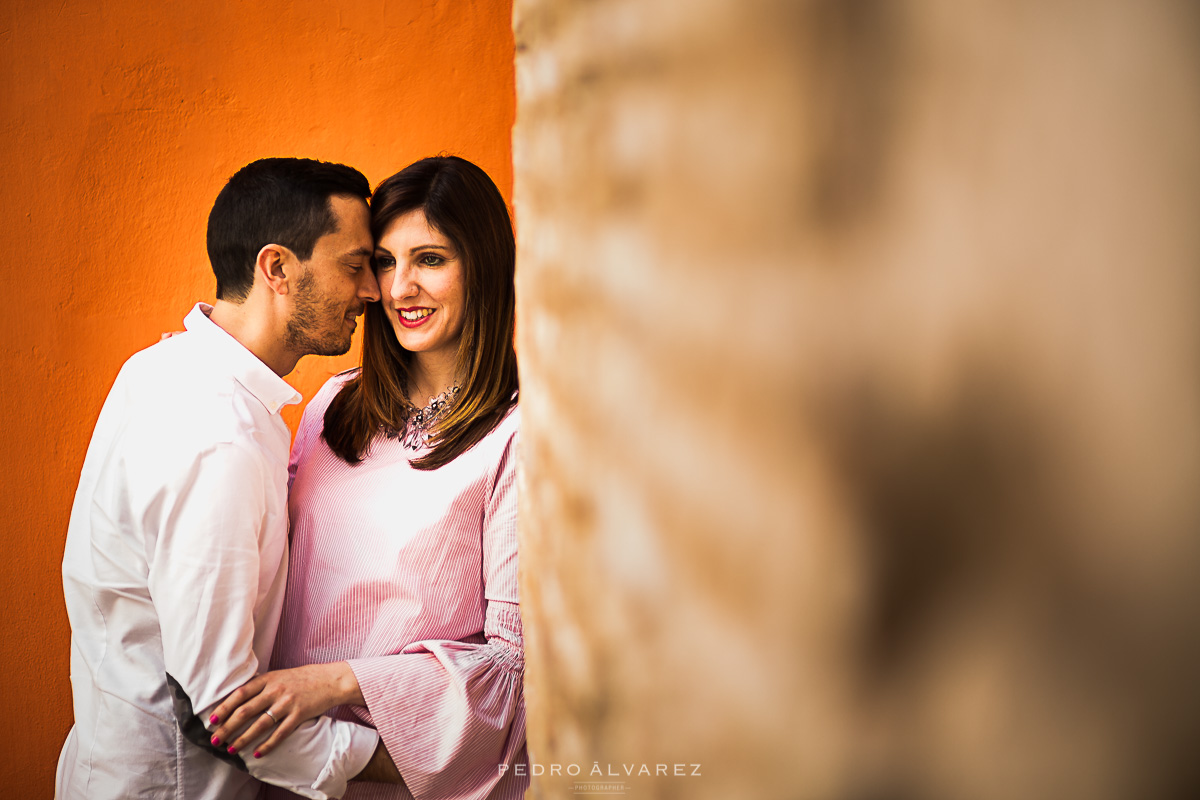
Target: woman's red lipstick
point(413, 323)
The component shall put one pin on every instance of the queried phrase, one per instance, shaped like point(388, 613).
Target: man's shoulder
point(174, 389)
point(177, 361)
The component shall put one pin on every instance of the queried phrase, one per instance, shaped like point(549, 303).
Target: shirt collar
point(246, 368)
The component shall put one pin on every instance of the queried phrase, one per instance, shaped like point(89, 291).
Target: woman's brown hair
point(462, 203)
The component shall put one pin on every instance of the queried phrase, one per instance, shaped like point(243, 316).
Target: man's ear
point(277, 266)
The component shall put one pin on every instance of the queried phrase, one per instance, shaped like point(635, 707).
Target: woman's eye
point(384, 262)
point(431, 260)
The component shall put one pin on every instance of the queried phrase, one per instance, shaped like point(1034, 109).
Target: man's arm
point(208, 538)
point(294, 694)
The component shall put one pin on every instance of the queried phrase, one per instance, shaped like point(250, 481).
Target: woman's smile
point(414, 317)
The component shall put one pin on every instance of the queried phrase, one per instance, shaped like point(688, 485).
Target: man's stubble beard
point(303, 333)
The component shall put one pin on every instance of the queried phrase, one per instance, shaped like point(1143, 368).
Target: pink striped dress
point(411, 577)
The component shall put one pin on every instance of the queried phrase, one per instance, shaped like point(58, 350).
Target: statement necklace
point(420, 423)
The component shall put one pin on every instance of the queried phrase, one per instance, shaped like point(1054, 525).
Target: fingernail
point(215, 740)
point(214, 719)
point(257, 754)
point(232, 749)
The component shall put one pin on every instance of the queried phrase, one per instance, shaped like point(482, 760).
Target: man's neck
point(255, 329)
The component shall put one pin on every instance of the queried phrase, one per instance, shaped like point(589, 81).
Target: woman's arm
point(452, 713)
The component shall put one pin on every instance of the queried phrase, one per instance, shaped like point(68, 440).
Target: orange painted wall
point(119, 123)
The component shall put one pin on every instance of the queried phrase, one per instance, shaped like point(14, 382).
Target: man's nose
point(368, 288)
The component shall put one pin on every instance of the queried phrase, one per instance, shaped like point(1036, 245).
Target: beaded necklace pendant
point(422, 422)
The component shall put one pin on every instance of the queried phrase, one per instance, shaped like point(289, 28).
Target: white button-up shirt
point(175, 564)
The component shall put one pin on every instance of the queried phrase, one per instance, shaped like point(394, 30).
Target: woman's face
point(421, 283)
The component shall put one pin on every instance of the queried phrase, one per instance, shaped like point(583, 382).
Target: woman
point(402, 590)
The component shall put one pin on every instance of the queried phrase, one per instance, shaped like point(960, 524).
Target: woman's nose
point(404, 285)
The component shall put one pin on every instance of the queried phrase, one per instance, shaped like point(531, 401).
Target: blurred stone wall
point(859, 345)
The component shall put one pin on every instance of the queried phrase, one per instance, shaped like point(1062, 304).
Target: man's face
point(335, 284)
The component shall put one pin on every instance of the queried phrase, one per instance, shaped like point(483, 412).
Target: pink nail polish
point(215, 740)
point(257, 754)
point(214, 719)
point(232, 749)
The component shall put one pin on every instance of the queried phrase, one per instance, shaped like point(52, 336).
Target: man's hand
point(380, 769)
point(276, 702)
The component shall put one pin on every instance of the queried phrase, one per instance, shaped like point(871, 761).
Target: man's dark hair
point(282, 201)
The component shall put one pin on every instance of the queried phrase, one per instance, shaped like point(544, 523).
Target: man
point(176, 553)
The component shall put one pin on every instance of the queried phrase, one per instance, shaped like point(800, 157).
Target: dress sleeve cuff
point(451, 714)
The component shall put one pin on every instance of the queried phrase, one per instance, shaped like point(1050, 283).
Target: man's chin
point(336, 349)
point(331, 342)
point(328, 347)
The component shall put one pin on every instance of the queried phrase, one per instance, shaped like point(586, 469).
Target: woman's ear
point(276, 266)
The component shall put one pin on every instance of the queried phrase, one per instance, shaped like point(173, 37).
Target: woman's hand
point(290, 695)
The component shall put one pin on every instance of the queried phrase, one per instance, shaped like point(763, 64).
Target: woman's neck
point(429, 375)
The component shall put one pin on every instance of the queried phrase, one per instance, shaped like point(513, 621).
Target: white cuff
point(318, 759)
point(353, 747)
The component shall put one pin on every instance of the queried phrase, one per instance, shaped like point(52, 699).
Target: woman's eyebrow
point(428, 247)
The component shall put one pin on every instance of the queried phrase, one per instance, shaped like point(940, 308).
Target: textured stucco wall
point(862, 413)
point(119, 123)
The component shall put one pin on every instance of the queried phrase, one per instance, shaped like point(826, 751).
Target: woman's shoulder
point(506, 435)
point(495, 442)
point(315, 410)
point(510, 424)
point(335, 383)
